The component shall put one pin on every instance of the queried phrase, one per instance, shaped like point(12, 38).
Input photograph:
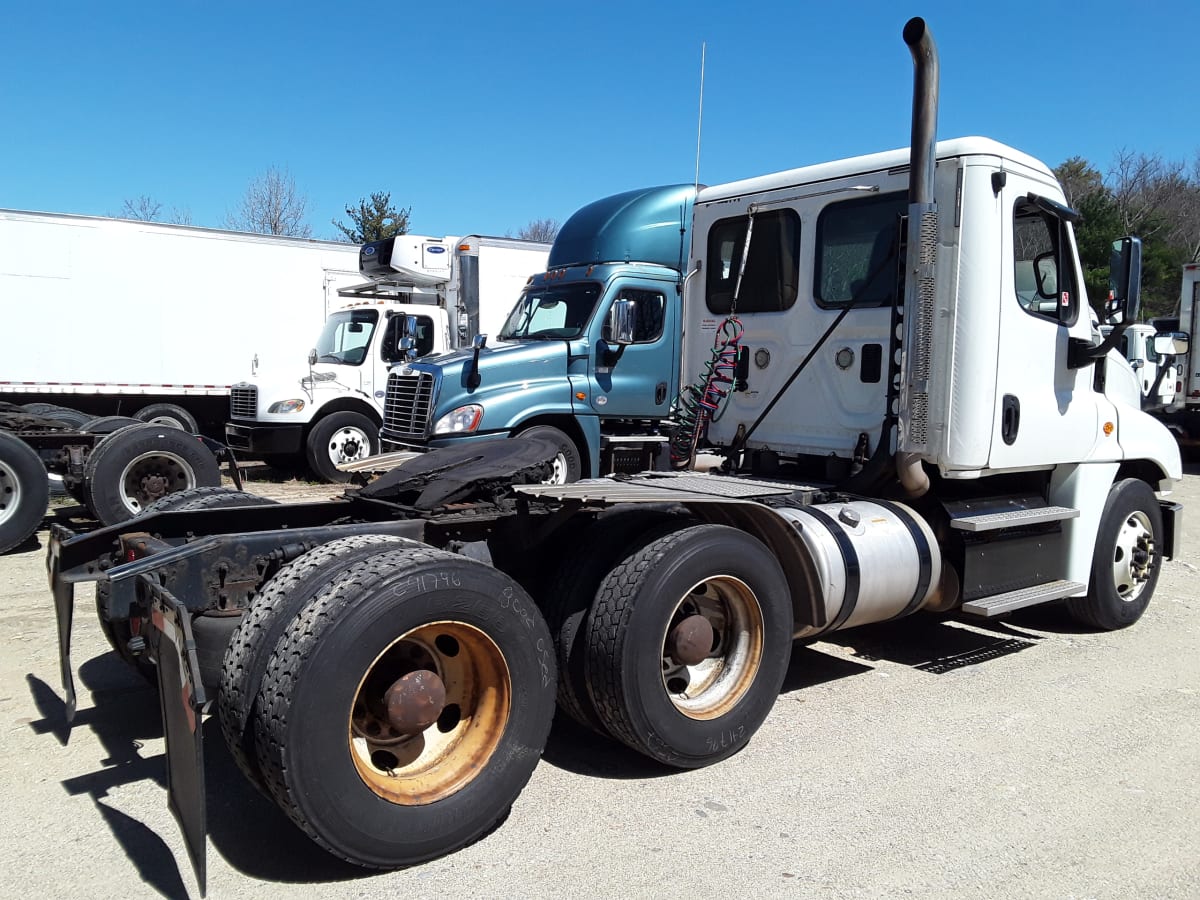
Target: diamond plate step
point(1014, 518)
point(998, 604)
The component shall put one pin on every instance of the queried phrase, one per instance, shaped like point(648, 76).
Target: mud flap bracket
point(181, 695)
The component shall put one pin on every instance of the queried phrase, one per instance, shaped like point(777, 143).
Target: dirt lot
point(929, 757)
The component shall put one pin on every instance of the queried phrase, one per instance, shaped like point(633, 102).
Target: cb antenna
point(700, 116)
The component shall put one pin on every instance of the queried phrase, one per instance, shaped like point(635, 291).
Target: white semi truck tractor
point(892, 360)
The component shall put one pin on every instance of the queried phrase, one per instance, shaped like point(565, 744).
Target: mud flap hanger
point(62, 584)
point(183, 702)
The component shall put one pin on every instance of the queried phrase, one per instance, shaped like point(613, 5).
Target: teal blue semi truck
point(588, 357)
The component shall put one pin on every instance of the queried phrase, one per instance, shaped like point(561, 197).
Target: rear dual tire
point(328, 755)
point(684, 702)
point(132, 468)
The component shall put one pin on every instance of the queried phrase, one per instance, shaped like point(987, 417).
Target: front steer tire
point(406, 611)
point(1127, 559)
point(340, 437)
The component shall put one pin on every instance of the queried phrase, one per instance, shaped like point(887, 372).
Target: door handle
point(1010, 419)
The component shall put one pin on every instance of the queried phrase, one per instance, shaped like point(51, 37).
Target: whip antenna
point(700, 116)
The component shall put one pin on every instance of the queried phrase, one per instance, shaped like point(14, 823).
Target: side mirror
point(1045, 270)
point(355, 328)
point(1136, 364)
point(312, 357)
point(1124, 281)
point(1172, 343)
point(406, 326)
point(479, 341)
point(622, 322)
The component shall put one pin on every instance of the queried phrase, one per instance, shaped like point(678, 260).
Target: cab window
point(651, 311)
point(1043, 273)
point(856, 259)
point(772, 274)
point(389, 349)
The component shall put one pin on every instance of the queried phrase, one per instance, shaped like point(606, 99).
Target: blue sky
point(483, 116)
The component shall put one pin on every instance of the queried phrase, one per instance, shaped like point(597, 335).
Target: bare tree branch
point(271, 206)
point(144, 209)
point(545, 230)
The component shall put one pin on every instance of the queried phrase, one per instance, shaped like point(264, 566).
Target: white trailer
point(156, 321)
point(1189, 310)
point(436, 293)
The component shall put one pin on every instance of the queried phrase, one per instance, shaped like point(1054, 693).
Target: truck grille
point(243, 402)
point(406, 409)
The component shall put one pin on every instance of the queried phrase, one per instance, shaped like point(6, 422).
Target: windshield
point(551, 312)
point(346, 336)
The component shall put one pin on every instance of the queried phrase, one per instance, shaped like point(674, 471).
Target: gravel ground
point(932, 757)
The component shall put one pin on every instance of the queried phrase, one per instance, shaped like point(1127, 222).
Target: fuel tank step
point(1014, 518)
point(998, 604)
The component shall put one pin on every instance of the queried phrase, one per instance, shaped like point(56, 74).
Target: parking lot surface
point(931, 757)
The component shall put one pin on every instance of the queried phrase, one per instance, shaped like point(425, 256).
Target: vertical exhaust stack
point(920, 263)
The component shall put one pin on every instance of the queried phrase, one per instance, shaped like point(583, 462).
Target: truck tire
point(107, 424)
point(340, 437)
point(24, 491)
point(569, 596)
point(567, 467)
point(1127, 559)
point(270, 612)
point(120, 631)
point(72, 418)
point(171, 414)
point(688, 643)
point(387, 791)
point(137, 465)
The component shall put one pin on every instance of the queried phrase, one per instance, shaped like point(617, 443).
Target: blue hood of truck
point(648, 225)
point(524, 372)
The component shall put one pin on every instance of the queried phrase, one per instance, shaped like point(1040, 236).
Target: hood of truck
point(516, 380)
point(274, 386)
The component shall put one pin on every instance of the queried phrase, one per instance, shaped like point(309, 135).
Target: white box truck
point(1175, 335)
point(150, 320)
point(436, 292)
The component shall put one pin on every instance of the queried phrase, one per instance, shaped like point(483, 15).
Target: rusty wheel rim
point(707, 683)
point(412, 745)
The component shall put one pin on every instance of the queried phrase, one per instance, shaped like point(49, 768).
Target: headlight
point(461, 420)
point(286, 406)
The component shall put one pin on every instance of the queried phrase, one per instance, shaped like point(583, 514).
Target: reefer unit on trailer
point(114, 316)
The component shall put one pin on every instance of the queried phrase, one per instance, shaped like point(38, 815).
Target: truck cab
point(588, 357)
point(330, 410)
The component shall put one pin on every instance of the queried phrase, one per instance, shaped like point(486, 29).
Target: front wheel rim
point(349, 444)
point(415, 764)
point(1133, 556)
point(153, 475)
point(710, 687)
point(10, 493)
point(558, 470)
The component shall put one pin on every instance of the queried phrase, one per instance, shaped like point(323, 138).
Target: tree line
point(1147, 195)
point(273, 205)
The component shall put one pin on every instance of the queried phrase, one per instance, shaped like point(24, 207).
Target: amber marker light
point(1108, 428)
point(580, 395)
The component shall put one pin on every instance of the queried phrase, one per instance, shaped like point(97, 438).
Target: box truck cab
point(588, 357)
point(432, 291)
